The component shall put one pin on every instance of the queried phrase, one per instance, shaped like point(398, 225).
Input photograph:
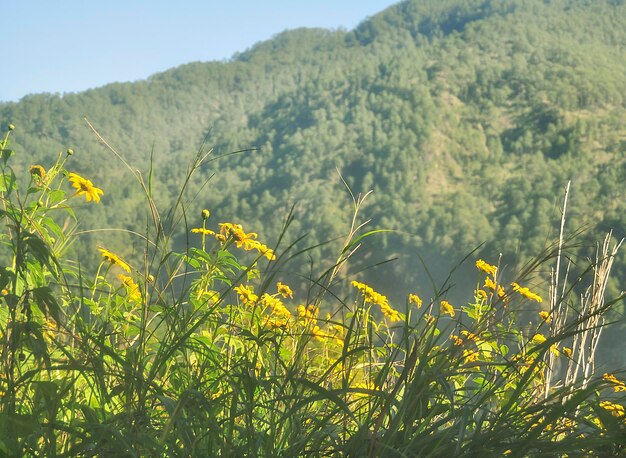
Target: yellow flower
point(470, 355)
point(113, 259)
point(616, 409)
point(246, 294)
point(370, 295)
point(308, 314)
point(538, 339)
point(545, 316)
point(447, 308)
point(489, 283)
point(241, 238)
point(203, 231)
point(132, 288)
point(38, 171)
point(415, 299)
point(318, 333)
point(85, 187)
point(618, 385)
point(567, 352)
point(284, 290)
point(555, 350)
point(470, 336)
point(244, 240)
point(390, 313)
point(526, 292)
point(280, 315)
point(456, 339)
point(487, 268)
point(265, 251)
point(481, 294)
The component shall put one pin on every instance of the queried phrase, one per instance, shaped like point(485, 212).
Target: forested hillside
point(466, 118)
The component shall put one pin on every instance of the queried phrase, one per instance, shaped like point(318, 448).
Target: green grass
point(200, 353)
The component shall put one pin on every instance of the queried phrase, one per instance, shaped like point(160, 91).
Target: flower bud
point(70, 151)
point(205, 214)
point(11, 127)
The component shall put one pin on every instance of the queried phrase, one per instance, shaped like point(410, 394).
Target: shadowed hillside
point(466, 119)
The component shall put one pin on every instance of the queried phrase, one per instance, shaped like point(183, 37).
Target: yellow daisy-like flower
point(319, 334)
point(470, 355)
point(538, 339)
point(376, 298)
point(545, 316)
point(265, 251)
point(456, 339)
point(447, 308)
point(470, 336)
point(616, 409)
point(280, 315)
point(487, 268)
point(415, 299)
point(489, 283)
point(618, 385)
point(371, 295)
point(390, 313)
point(528, 294)
point(284, 290)
point(114, 259)
point(85, 187)
point(38, 171)
point(246, 294)
point(242, 239)
point(308, 314)
point(132, 288)
point(567, 352)
point(203, 231)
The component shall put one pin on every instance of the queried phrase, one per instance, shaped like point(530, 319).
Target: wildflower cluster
point(616, 410)
point(373, 297)
point(618, 385)
point(415, 299)
point(198, 353)
point(113, 259)
point(246, 294)
point(247, 241)
point(527, 293)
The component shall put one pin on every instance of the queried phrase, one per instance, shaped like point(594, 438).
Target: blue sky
point(73, 45)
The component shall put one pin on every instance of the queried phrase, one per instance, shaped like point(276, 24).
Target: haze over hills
point(466, 119)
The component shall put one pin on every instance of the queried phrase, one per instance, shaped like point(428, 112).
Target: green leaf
point(37, 248)
point(7, 181)
point(55, 196)
point(5, 154)
point(361, 237)
point(16, 425)
point(46, 302)
point(54, 227)
point(46, 397)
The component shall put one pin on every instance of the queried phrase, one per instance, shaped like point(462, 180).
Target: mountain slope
point(466, 118)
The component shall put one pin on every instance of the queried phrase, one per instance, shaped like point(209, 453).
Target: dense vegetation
point(204, 352)
point(466, 118)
